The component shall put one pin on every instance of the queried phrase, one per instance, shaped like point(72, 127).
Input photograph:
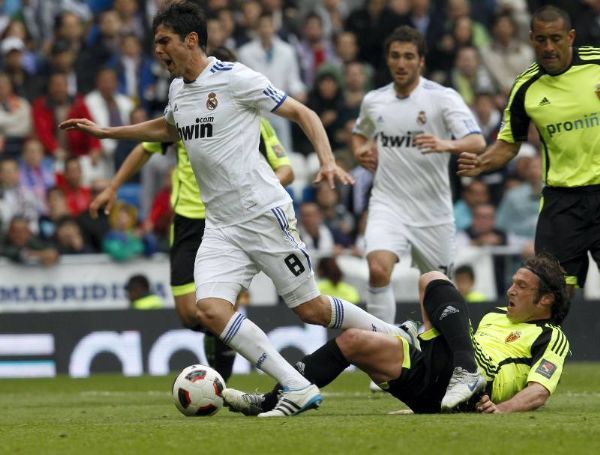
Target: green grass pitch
point(117, 415)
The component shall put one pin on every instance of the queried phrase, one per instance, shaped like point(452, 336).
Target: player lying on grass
point(513, 362)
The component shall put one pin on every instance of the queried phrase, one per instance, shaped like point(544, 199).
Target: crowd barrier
point(81, 343)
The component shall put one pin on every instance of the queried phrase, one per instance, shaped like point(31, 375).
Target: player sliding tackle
point(250, 222)
point(512, 363)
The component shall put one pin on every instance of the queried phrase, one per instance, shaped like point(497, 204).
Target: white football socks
point(346, 315)
point(252, 343)
point(381, 303)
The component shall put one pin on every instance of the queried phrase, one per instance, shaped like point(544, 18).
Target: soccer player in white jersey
point(215, 108)
point(405, 133)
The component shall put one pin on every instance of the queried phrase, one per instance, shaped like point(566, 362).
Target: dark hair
point(552, 281)
point(183, 18)
point(329, 269)
point(224, 54)
point(138, 282)
point(550, 13)
point(406, 34)
point(465, 269)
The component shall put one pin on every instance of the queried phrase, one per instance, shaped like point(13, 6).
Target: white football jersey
point(416, 185)
point(217, 116)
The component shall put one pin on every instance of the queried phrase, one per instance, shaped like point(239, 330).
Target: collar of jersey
point(211, 61)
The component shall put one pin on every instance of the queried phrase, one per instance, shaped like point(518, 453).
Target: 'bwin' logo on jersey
point(202, 128)
point(408, 140)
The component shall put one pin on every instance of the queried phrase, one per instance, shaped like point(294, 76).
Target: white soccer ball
point(197, 391)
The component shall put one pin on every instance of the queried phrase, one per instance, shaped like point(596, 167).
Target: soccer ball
point(197, 391)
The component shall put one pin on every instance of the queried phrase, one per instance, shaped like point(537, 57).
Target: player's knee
point(185, 306)
point(428, 277)
point(207, 315)
point(350, 341)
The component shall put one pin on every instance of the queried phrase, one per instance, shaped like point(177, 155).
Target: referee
point(560, 94)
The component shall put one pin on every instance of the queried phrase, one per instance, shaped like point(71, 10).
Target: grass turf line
point(114, 414)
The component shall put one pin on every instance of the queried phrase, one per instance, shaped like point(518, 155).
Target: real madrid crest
point(211, 102)
point(422, 118)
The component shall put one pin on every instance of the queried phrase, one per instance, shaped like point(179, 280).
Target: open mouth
point(511, 304)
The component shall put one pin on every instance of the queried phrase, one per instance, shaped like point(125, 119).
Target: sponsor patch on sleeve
point(546, 368)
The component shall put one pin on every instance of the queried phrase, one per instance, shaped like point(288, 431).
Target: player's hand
point(105, 199)
point(366, 156)
point(469, 165)
point(428, 143)
point(84, 125)
point(330, 172)
point(486, 406)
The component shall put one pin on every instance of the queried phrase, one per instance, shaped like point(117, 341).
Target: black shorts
point(568, 227)
point(187, 236)
point(422, 386)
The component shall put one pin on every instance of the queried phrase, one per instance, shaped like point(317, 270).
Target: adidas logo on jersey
point(196, 130)
point(544, 102)
point(448, 311)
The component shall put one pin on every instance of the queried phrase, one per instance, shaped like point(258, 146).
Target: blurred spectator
point(372, 24)
point(94, 229)
point(49, 110)
point(476, 192)
point(57, 209)
point(518, 212)
point(138, 115)
point(327, 100)
point(16, 29)
point(69, 239)
point(134, 70)
point(36, 171)
point(356, 84)
point(313, 231)
point(285, 16)
point(331, 281)
point(215, 33)
point(333, 14)
point(469, 77)
point(158, 221)
point(346, 49)
point(464, 278)
point(483, 232)
point(247, 21)
point(587, 24)
point(24, 84)
point(77, 195)
point(424, 17)
point(507, 56)
point(122, 243)
point(70, 28)
point(16, 200)
point(108, 108)
point(139, 294)
point(335, 215)
point(62, 59)
point(462, 8)
point(104, 43)
point(488, 116)
point(130, 18)
point(15, 119)
point(22, 246)
point(313, 49)
point(277, 60)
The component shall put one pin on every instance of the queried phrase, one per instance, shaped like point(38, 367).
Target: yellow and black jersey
point(186, 198)
point(565, 109)
point(511, 355)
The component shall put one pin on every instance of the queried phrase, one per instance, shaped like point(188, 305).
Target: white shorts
point(431, 247)
point(229, 257)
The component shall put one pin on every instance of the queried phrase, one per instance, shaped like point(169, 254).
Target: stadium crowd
point(94, 59)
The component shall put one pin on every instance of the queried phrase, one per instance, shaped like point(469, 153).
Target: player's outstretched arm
point(529, 399)
point(156, 130)
point(500, 153)
point(313, 128)
point(472, 143)
point(132, 164)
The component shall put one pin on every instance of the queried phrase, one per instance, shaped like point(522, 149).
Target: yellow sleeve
point(274, 151)
point(549, 360)
point(154, 147)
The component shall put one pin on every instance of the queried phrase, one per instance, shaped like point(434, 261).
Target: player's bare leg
point(381, 302)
